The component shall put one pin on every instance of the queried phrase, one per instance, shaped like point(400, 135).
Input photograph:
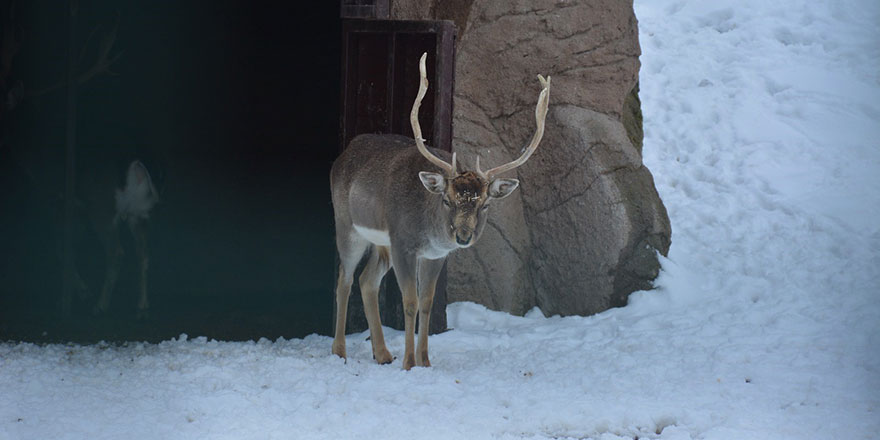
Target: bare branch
point(101, 66)
point(11, 43)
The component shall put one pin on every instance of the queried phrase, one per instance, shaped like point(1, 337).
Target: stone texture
point(632, 118)
point(412, 10)
point(591, 216)
point(454, 10)
point(584, 229)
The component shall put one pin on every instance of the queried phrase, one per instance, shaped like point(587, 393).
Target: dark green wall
point(234, 108)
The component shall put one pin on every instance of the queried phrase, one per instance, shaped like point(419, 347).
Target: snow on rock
point(762, 123)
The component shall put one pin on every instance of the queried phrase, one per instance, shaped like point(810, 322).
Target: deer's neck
point(439, 242)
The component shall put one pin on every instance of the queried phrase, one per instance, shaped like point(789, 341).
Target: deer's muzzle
point(464, 237)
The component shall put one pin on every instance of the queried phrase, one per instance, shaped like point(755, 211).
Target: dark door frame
point(377, 98)
point(441, 76)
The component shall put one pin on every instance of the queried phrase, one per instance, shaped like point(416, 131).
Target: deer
point(105, 207)
point(110, 210)
point(408, 208)
point(108, 207)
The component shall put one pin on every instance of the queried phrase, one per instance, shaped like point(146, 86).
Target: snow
point(762, 124)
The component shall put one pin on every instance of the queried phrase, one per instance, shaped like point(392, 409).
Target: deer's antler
point(104, 61)
point(417, 130)
point(540, 115)
point(101, 65)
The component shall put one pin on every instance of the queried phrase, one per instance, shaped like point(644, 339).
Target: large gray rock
point(585, 228)
point(595, 218)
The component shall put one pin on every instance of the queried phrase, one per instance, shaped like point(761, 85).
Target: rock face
point(584, 229)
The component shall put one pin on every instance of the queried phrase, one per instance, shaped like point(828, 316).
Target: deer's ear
point(501, 188)
point(433, 182)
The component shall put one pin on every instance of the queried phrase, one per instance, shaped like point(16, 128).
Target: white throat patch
point(139, 195)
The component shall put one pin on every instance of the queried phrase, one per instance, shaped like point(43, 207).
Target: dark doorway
point(234, 108)
point(380, 79)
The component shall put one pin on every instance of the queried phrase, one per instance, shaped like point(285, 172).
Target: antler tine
point(417, 130)
point(101, 65)
point(540, 115)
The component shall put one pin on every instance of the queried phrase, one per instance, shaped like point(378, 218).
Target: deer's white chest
point(375, 236)
point(139, 195)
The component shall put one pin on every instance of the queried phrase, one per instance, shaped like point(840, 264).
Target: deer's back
point(379, 174)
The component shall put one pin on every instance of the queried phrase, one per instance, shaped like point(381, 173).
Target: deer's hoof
point(383, 356)
point(422, 360)
point(409, 361)
point(339, 349)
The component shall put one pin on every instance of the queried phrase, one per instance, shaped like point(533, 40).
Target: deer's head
point(466, 196)
point(465, 201)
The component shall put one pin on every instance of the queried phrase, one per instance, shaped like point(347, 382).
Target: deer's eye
point(485, 207)
point(446, 203)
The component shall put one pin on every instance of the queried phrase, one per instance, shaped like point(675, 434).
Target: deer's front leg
point(113, 251)
point(429, 271)
point(405, 268)
point(139, 232)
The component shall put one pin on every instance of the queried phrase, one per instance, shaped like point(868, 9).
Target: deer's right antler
point(540, 116)
point(417, 130)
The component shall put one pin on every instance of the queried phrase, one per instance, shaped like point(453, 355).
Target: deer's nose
point(463, 238)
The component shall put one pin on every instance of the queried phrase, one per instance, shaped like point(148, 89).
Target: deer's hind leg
point(113, 253)
point(351, 249)
point(371, 278)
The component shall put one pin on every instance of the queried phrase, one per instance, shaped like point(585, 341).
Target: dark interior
point(233, 106)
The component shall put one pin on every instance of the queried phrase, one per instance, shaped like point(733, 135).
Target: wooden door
point(379, 84)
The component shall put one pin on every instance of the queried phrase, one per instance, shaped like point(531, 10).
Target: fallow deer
point(108, 209)
point(133, 203)
point(382, 211)
point(98, 200)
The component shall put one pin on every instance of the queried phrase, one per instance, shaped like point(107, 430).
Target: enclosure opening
point(233, 106)
point(380, 80)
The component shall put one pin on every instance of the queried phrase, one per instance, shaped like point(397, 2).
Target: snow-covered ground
point(762, 124)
